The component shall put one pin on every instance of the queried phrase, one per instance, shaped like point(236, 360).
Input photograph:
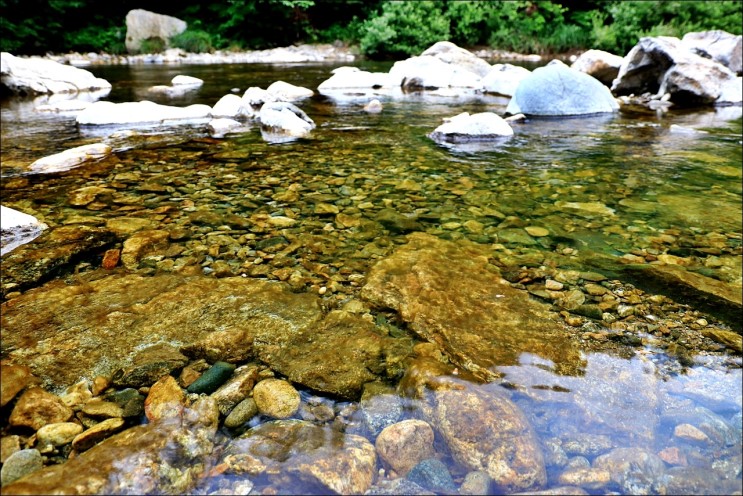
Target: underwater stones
point(276, 398)
point(402, 445)
point(634, 469)
point(215, 376)
point(141, 244)
point(19, 464)
point(501, 442)
point(309, 454)
point(448, 293)
point(337, 355)
point(58, 248)
point(15, 379)
point(242, 413)
point(432, 474)
point(165, 400)
point(237, 388)
point(90, 437)
point(230, 345)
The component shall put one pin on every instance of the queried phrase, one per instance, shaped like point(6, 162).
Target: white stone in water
point(186, 80)
point(71, 158)
point(17, 229)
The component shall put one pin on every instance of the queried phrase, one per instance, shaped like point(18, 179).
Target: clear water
point(605, 186)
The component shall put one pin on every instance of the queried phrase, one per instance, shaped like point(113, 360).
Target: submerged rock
point(308, 456)
point(449, 294)
point(464, 127)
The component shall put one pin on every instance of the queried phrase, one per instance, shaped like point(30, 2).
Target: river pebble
point(276, 398)
point(20, 464)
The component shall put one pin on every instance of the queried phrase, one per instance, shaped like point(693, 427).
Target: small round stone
point(276, 398)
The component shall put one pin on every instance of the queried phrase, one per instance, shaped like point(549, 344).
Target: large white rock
point(448, 52)
point(503, 79)
point(289, 92)
point(352, 77)
point(427, 72)
point(721, 46)
point(71, 158)
point(37, 76)
point(228, 106)
point(144, 112)
point(464, 128)
point(17, 228)
point(142, 24)
point(285, 118)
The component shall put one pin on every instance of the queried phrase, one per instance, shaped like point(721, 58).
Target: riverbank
point(291, 54)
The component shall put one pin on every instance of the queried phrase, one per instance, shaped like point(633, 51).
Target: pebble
point(58, 434)
point(20, 464)
point(276, 398)
point(210, 380)
point(241, 414)
point(403, 445)
point(432, 474)
point(87, 439)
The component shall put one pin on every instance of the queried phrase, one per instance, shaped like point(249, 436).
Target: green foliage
point(632, 20)
point(95, 39)
point(470, 21)
point(194, 41)
point(404, 28)
point(153, 45)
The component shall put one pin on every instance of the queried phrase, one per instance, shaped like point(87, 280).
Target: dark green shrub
point(404, 29)
point(153, 45)
point(97, 39)
point(194, 41)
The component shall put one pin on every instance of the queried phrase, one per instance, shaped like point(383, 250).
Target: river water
point(638, 186)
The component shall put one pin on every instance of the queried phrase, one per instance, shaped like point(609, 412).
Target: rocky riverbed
point(365, 312)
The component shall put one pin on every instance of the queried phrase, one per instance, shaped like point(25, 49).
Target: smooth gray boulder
point(37, 76)
point(143, 24)
point(558, 90)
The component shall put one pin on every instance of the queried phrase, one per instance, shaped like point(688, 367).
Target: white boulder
point(720, 46)
point(37, 76)
point(229, 105)
point(142, 24)
point(465, 128)
point(144, 112)
point(17, 228)
point(285, 118)
point(503, 79)
point(71, 158)
point(353, 78)
point(288, 92)
point(427, 73)
point(219, 128)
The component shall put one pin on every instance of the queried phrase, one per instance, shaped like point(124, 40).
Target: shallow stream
point(586, 195)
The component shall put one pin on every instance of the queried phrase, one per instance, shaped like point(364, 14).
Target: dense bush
point(404, 28)
point(381, 28)
point(153, 45)
point(194, 41)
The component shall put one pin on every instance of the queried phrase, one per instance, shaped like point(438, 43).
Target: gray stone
point(432, 474)
point(20, 464)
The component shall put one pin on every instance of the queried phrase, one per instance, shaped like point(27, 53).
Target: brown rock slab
point(449, 294)
point(54, 251)
point(149, 365)
point(68, 332)
point(721, 299)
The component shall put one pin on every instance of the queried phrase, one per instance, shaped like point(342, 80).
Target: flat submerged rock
point(448, 293)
